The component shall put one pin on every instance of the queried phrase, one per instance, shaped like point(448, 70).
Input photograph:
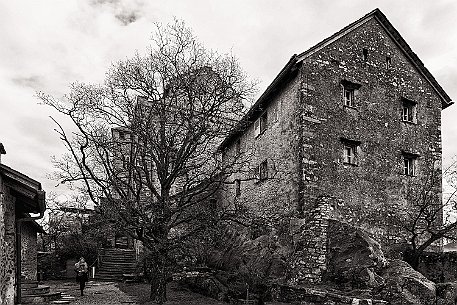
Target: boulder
point(205, 284)
point(446, 293)
point(353, 258)
point(404, 285)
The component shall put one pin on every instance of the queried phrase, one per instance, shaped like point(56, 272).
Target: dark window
point(350, 151)
point(121, 135)
point(408, 112)
point(409, 163)
point(365, 54)
point(350, 91)
point(388, 62)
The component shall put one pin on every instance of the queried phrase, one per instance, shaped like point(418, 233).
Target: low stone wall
point(291, 294)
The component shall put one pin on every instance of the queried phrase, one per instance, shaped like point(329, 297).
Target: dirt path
point(96, 293)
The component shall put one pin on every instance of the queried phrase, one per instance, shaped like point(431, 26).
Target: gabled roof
point(30, 198)
point(296, 60)
point(396, 37)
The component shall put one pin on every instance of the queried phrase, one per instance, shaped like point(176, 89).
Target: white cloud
point(48, 44)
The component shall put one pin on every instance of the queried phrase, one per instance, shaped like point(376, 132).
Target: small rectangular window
point(350, 90)
point(365, 54)
point(121, 135)
point(350, 151)
point(388, 62)
point(260, 125)
point(409, 163)
point(409, 166)
point(349, 97)
point(408, 112)
point(349, 154)
point(263, 122)
point(237, 188)
point(262, 171)
point(257, 128)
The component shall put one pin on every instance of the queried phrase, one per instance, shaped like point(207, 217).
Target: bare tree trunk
point(158, 281)
point(412, 257)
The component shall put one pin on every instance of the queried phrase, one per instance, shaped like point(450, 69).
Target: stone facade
point(278, 146)
point(7, 246)
point(29, 251)
point(19, 196)
point(372, 188)
point(351, 126)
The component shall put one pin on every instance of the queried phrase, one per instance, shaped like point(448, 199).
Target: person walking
point(81, 270)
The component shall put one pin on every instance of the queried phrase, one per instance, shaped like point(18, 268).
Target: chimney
point(2, 152)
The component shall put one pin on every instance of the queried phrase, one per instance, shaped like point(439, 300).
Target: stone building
point(343, 131)
point(19, 196)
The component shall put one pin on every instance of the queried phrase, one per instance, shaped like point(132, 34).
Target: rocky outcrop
point(353, 257)
point(405, 286)
point(262, 257)
point(204, 283)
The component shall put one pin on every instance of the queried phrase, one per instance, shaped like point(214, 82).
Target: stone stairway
point(113, 263)
point(32, 293)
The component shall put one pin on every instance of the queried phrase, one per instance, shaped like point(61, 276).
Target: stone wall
point(308, 263)
point(371, 191)
point(7, 246)
point(28, 251)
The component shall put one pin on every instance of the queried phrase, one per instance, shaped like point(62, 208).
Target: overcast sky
point(45, 45)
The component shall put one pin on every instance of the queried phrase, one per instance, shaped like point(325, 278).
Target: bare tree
point(146, 140)
point(432, 214)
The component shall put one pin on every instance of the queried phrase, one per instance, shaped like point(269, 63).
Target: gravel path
point(96, 293)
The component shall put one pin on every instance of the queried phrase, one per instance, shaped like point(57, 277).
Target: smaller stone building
point(19, 196)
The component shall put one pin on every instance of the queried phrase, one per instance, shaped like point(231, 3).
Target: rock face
point(353, 257)
point(446, 293)
point(405, 286)
point(262, 257)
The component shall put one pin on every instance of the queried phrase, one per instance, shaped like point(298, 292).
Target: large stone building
point(19, 196)
point(353, 121)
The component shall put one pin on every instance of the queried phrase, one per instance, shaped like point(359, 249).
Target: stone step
point(40, 298)
point(109, 279)
point(115, 268)
point(40, 289)
point(29, 284)
point(117, 258)
point(60, 302)
point(116, 272)
point(116, 264)
point(124, 251)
